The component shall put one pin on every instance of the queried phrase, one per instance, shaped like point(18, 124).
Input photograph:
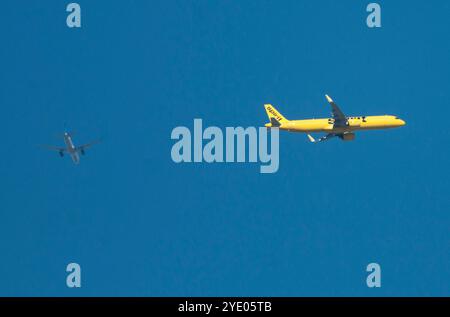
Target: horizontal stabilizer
point(275, 123)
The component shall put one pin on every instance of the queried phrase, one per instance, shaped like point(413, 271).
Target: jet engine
point(348, 136)
point(82, 151)
point(61, 153)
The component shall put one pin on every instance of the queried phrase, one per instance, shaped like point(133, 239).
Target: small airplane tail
point(275, 117)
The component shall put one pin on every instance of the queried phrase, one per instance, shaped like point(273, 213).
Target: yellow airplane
point(339, 125)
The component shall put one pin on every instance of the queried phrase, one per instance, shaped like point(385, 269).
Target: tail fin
point(276, 118)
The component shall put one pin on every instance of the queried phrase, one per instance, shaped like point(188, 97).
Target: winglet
point(328, 98)
point(311, 138)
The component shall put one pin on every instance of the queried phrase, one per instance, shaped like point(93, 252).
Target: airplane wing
point(324, 138)
point(338, 115)
point(54, 148)
point(85, 146)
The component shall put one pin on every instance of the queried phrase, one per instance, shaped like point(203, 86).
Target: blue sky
point(141, 225)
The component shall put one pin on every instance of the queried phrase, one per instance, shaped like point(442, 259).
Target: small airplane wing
point(54, 148)
point(338, 115)
point(85, 146)
point(324, 138)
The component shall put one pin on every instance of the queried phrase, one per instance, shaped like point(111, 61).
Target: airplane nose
point(402, 122)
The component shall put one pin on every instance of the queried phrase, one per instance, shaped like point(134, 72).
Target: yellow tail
point(276, 118)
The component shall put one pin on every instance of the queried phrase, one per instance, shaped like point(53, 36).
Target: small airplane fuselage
point(71, 149)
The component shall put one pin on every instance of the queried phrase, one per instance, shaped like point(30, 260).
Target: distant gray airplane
point(70, 148)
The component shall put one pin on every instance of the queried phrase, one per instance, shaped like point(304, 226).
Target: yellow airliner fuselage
point(339, 125)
